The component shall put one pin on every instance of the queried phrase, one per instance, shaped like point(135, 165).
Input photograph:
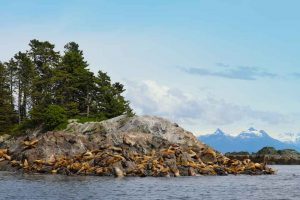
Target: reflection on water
point(284, 185)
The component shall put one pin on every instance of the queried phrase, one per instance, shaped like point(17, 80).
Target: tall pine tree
point(11, 68)
point(7, 114)
point(109, 101)
point(24, 78)
point(46, 88)
point(45, 60)
point(74, 81)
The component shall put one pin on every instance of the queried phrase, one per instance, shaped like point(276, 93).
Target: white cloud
point(148, 97)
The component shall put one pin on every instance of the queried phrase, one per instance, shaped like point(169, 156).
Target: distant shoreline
point(269, 155)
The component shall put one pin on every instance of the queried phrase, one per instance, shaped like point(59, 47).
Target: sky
point(205, 64)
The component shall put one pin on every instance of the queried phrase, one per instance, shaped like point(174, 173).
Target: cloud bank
point(148, 97)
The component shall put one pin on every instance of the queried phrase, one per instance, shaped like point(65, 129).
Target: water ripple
point(284, 185)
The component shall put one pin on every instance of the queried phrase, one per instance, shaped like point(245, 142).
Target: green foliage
point(288, 152)
point(71, 109)
point(45, 59)
point(90, 119)
point(7, 113)
point(54, 116)
point(74, 81)
point(43, 87)
point(108, 99)
point(20, 129)
point(267, 150)
point(24, 77)
point(61, 126)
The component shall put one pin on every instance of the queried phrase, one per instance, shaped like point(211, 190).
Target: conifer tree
point(11, 68)
point(24, 78)
point(45, 60)
point(7, 114)
point(46, 88)
point(74, 81)
point(108, 97)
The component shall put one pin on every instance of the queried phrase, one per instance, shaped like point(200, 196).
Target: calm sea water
point(284, 185)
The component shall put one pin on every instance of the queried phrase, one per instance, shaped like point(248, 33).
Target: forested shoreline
point(42, 87)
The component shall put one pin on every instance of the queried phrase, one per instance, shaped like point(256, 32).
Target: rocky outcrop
point(270, 156)
point(122, 146)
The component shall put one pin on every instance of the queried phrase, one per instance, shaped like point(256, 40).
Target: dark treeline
point(43, 87)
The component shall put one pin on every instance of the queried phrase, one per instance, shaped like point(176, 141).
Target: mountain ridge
point(250, 140)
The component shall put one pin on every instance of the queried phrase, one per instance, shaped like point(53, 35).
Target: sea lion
point(96, 151)
point(6, 157)
point(113, 159)
point(74, 167)
point(88, 156)
point(192, 153)
point(39, 162)
point(208, 155)
point(99, 170)
point(117, 149)
point(235, 162)
point(191, 172)
point(258, 166)
point(167, 152)
point(246, 161)
point(52, 159)
point(15, 163)
point(25, 165)
point(118, 172)
point(30, 144)
point(84, 167)
point(3, 151)
point(176, 173)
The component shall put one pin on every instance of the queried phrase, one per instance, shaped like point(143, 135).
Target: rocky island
point(122, 146)
point(269, 155)
point(42, 88)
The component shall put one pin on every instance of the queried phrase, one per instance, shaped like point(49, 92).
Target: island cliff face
point(122, 146)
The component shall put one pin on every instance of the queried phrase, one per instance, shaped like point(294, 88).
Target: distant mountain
point(292, 138)
point(218, 140)
point(251, 140)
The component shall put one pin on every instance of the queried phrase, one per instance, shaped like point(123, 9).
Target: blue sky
point(230, 64)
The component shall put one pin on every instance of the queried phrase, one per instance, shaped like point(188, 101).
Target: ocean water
point(284, 185)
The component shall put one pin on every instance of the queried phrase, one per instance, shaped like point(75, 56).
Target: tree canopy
point(41, 86)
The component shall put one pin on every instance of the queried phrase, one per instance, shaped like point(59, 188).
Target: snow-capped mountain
point(219, 139)
point(252, 133)
point(292, 138)
point(250, 140)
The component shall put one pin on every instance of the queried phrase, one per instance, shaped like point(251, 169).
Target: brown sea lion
point(30, 144)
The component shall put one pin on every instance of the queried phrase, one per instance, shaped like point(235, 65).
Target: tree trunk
point(19, 100)
point(24, 106)
point(88, 105)
point(11, 88)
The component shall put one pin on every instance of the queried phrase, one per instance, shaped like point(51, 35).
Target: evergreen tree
point(7, 114)
point(109, 101)
point(24, 78)
point(45, 60)
point(11, 68)
point(74, 81)
point(47, 88)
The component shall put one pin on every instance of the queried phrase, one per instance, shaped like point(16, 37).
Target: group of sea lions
point(171, 160)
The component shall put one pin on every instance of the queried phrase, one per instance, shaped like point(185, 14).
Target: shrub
point(54, 116)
